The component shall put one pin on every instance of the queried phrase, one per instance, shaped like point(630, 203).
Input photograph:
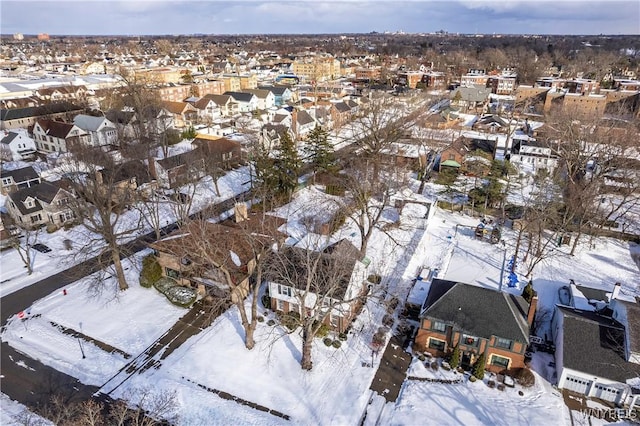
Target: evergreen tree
point(528, 292)
point(455, 357)
point(287, 165)
point(319, 151)
point(478, 367)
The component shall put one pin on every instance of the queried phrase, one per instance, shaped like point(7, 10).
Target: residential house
point(209, 267)
point(16, 179)
point(341, 113)
point(219, 151)
point(266, 98)
point(470, 98)
point(340, 280)
point(302, 123)
point(208, 109)
point(177, 170)
point(281, 94)
point(56, 136)
point(14, 118)
point(272, 134)
point(61, 93)
point(183, 113)
point(443, 120)
point(16, 146)
point(597, 345)
point(478, 321)
point(122, 181)
point(532, 154)
point(102, 132)
point(225, 103)
point(42, 204)
point(247, 102)
point(123, 122)
point(454, 154)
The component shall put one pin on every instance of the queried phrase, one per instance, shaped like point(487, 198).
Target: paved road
point(32, 383)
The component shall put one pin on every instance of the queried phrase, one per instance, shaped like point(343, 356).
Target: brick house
point(343, 263)
point(477, 320)
point(219, 150)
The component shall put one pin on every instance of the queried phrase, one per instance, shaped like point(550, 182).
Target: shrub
point(164, 284)
point(151, 271)
point(336, 344)
point(478, 367)
point(51, 228)
point(266, 301)
point(455, 357)
point(520, 393)
point(68, 244)
point(290, 320)
point(260, 318)
point(445, 367)
point(421, 357)
point(524, 377)
point(500, 387)
point(342, 336)
point(374, 278)
point(435, 366)
point(460, 370)
point(472, 379)
point(387, 320)
point(491, 384)
point(271, 323)
point(322, 331)
point(327, 341)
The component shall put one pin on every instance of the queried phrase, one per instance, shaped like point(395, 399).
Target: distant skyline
point(160, 17)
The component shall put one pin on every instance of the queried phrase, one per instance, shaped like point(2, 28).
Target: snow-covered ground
point(336, 391)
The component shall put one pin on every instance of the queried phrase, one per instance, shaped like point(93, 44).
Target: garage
point(577, 384)
point(607, 392)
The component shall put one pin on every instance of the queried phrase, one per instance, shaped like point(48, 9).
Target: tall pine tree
point(319, 151)
point(287, 165)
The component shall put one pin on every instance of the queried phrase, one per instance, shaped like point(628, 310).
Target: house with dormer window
point(42, 204)
point(478, 321)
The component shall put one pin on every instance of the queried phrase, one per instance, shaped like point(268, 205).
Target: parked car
point(41, 248)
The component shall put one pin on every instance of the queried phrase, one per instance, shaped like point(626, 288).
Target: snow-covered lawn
point(128, 321)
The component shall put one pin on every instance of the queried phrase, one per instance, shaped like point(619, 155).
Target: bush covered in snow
point(177, 294)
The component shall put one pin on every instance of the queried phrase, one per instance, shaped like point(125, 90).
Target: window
point(334, 320)
point(503, 343)
point(35, 218)
point(438, 326)
point(172, 273)
point(279, 305)
point(6, 181)
point(470, 340)
point(284, 290)
point(500, 361)
point(294, 307)
point(436, 344)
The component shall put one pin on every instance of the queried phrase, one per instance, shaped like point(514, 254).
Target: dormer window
point(29, 203)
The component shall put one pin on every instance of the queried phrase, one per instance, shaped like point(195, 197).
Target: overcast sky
point(96, 17)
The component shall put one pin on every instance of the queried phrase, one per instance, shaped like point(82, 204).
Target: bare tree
point(317, 286)
point(23, 245)
point(102, 204)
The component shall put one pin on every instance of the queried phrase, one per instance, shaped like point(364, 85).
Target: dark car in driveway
point(41, 248)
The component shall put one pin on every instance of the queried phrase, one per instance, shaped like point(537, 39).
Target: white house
point(341, 304)
point(247, 102)
point(56, 136)
point(266, 98)
point(45, 203)
point(17, 145)
point(101, 131)
point(593, 349)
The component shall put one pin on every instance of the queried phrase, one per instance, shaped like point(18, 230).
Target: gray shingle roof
point(20, 175)
point(53, 108)
point(88, 122)
point(240, 96)
point(594, 344)
point(9, 138)
point(478, 311)
point(45, 191)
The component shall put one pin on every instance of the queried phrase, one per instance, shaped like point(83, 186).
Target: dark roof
point(240, 96)
point(120, 117)
point(331, 277)
point(45, 191)
point(478, 311)
point(9, 138)
point(594, 344)
point(304, 118)
point(593, 293)
point(221, 145)
point(181, 159)
point(20, 175)
point(633, 324)
point(276, 90)
point(56, 129)
point(218, 99)
point(52, 108)
point(130, 169)
point(342, 107)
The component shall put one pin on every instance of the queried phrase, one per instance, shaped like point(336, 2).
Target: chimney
point(532, 310)
point(615, 292)
point(240, 211)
